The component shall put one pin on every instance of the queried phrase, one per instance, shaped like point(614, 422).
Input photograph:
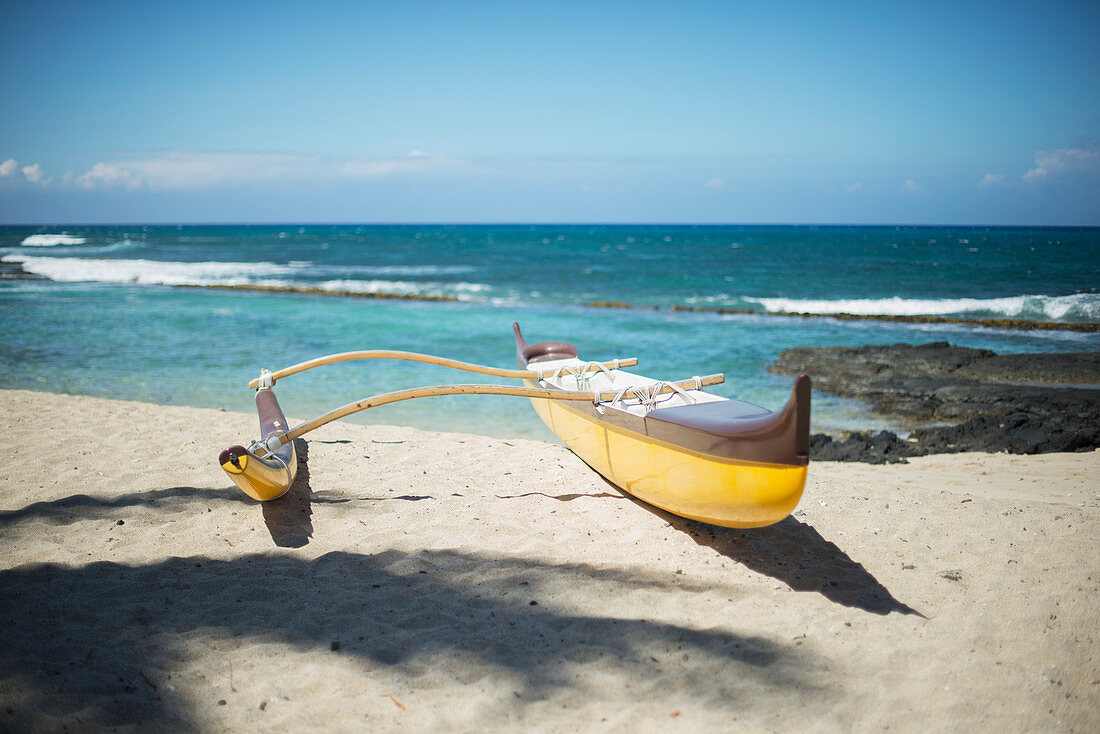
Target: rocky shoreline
point(954, 399)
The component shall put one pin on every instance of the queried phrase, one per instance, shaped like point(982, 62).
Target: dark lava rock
point(1020, 403)
point(1019, 433)
point(883, 447)
point(1052, 368)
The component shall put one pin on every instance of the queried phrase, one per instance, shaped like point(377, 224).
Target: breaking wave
point(52, 240)
point(1077, 307)
point(156, 272)
point(461, 291)
point(149, 272)
point(75, 246)
point(412, 271)
point(120, 246)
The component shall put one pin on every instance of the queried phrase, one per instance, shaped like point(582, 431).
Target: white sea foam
point(422, 269)
point(52, 240)
point(153, 272)
point(1080, 306)
point(150, 272)
point(402, 270)
point(120, 246)
point(461, 291)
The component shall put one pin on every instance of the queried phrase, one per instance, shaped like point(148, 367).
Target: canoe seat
point(546, 351)
point(715, 417)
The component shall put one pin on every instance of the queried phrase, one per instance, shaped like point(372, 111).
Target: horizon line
point(540, 224)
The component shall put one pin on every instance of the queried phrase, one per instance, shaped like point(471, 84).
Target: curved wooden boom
point(425, 392)
point(428, 359)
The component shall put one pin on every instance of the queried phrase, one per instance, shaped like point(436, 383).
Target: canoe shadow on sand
point(794, 553)
point(789, 551)
point(289, 519)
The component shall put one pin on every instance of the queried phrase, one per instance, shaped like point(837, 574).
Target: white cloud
point(714, 183)
point(33, 173)
point(992, 179)
point(854, 187)
point(107, 174)
point(194, 170)
point(1062, 162)
point(910, 186)
point(188, 170)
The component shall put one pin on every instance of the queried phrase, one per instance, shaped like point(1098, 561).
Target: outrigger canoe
point(671, 444)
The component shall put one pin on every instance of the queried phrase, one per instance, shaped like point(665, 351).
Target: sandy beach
point(442, 582)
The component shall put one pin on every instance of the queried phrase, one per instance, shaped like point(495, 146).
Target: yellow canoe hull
point(259, 479)
point(728, 492)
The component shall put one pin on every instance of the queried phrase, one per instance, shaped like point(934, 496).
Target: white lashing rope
point(617, 399)
point(648, 396)
point(583, 374)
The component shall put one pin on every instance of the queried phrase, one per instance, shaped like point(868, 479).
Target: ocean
point(170, 314)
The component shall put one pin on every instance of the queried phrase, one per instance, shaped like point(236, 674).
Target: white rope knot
point(583, 373)
point(266, 380)
point(596, 395)
point(648, 396)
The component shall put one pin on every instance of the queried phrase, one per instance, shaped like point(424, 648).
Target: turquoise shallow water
point(108, 325)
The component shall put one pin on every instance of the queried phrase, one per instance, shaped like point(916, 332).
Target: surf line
point(1013, 324)
point(307, 291)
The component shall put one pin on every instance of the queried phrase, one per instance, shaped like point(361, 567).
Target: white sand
point(421, 581)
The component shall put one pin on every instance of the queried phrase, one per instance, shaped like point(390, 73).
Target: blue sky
point(853, 112)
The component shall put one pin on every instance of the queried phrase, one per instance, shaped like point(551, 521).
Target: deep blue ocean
point(107, 318)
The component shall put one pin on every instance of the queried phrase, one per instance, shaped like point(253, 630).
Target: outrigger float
point(670, 444)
